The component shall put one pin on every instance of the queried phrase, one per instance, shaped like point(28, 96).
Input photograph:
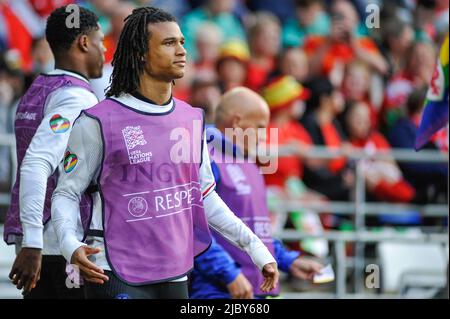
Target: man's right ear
point(236, 121)
point(83, 43)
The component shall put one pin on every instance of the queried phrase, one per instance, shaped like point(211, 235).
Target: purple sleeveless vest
point(153, 217)
point(242, 188)
point(29, 116)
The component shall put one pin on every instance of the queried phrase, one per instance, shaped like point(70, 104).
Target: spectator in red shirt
point(265, 44)
point(417, 73)
point(330, 54)
point(384, 179)
point(285, 97)
point(356, 87)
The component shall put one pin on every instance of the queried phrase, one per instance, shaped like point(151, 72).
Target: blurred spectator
point(240, 9)
point(205, 93)
point(286, 100)
point(11, 71)
point(310, 19)
point(333, 178)
point(178, 8)
point(398, 37)
point(264, 40)
point(283, 9)
point(117, 16)
point(103, 9)
point(294, 62)
point(218, 12)
point(11, 88)
point(429, 179)
point(356, 87)
point(384, 180)
point(330, 54)
point(209, 39)
point(44, 7)
point(285, 97)
point(419, 69)
point(441, 16)
point(17, 31)
point(43, 60)
point(232, 64)
point(431, 19)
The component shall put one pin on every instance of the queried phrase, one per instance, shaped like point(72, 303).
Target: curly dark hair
point(59, 36)
point(128, 60)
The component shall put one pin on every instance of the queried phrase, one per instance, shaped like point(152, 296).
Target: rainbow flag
point(435, 114)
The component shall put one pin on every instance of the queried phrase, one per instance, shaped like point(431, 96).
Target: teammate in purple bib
point(44, 119)
point(224, 271)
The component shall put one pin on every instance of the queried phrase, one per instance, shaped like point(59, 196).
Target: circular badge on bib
point(137, 206)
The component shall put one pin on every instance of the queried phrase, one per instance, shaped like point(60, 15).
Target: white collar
point(143, 106)
point(65, 72)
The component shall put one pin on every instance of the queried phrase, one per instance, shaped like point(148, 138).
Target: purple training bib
point(153, 217)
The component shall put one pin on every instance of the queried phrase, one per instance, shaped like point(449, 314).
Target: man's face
point(254, 121)
point(96, 53)
point(166, 58)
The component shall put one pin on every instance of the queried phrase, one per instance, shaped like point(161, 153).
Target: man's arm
point(41, 159)
point(85, 143)
point(284, 257)
point(43, 156)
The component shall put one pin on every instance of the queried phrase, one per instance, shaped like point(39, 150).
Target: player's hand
point(304, 268)
point(271, 275)
point(88, 270)
point(26, 270)
point(240, 288)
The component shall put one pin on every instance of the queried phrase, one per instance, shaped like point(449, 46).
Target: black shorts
point(115, 288)
point(54, 282)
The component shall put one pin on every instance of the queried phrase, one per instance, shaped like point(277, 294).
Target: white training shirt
point(86, 143)
point(42, 158)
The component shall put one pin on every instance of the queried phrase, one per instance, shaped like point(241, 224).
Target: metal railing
point(359, 209)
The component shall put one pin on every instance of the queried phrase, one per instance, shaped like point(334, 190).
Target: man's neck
point(157, 91)
point(69, 64)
